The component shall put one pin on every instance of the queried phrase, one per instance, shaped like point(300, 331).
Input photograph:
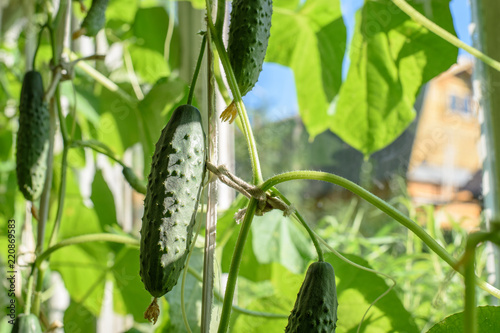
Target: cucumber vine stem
point(233, 84)
point(64, 163)
point(102, 237)
point(196, 70)
point(235, 266)
point(384, 207)
point(424, 21)
point(221, 11)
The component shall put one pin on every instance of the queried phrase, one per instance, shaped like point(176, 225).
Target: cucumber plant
point(177, 171)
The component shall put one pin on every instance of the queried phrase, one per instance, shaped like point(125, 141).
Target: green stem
point(40, 34)
point(62, 194)
point(103, 80)
point(383, 206)
point(301, 220)
point(468, 261)
point(38, 291)
point(196, 70)
point(424, 21)
point(470, 319)
point(221, 11)
point(104, 237)
point(235, 266)
point(62, 185)
point(98, 147)
point(27, 307)
point(233, 84)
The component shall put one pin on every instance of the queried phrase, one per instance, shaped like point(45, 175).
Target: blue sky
point(275, 94)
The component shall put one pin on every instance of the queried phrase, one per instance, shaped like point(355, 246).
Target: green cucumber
point(26, 324)
point(315, 309)
point(32, 137)
point(95, 19)
point(173, 191)
point(249, 32)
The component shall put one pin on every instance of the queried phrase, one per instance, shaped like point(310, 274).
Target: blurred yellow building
point(445, 166)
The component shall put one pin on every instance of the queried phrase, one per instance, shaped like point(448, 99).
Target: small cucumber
point(315, 309)
point(249, 32)
point(94, 21)
point(32, 137)
point(173, 191)
point(26, 324)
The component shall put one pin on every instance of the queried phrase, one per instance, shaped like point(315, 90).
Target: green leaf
point(6, 141)
point(83, 269)
point(356, 289)
point(121, 11)
point(120, 125)
point(198, 4)
point(148, 64)
point(150, 28)
point(310, 38)
point(129, 294)
point(286, 285)
point(391, 58)
point(280, 241)
point(78, 319)
point(87, 103)
point(108, 133)
point(192, 298)
point(488, 318)
point(154, 112)
point(104, 203)
point(76, 156)
point(250, 267)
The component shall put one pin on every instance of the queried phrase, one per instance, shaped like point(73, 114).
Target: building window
point(460, 105)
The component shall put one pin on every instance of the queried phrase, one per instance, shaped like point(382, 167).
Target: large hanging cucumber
point(32, 137)
point(173, 191)
point(315, 309)
point(26, 324)
point(249, 32)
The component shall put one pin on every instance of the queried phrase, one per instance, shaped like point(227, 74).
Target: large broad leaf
point(150, 28)
point(286, 286)
point(310, 38)
point(154, 111)
point(488, 319)
point(104, 203)
point(192, 298)
point(85, 268)
point(79, 319)
point(391, 58)
point(149, 65)
point(277, 239)
point(356, 289)
point(129, 294)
